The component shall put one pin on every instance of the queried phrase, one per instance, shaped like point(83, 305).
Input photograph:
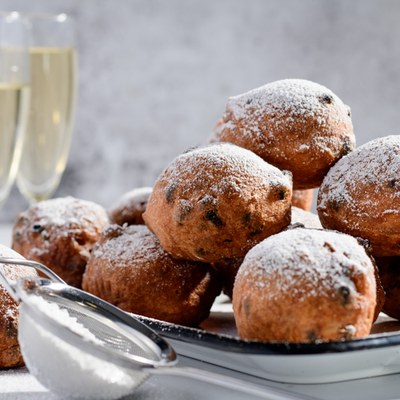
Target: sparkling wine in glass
point(52, 106)
point(14, 96)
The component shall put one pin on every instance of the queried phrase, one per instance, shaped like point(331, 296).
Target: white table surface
point(5, 234)
point(19, 384)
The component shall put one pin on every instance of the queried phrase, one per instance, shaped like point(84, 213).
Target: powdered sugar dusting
point(225, 168)
point(46, 222)
point(129, 244)
point(134, 200)
point(376, 166)
point(285, 102)
point(306, 262)
point(68, 210)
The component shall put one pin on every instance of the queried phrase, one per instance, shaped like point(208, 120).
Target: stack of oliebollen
point(234, 215)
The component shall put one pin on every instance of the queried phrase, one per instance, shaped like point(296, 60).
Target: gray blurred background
point(154, 75)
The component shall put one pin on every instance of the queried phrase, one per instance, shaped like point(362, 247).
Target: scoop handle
point(10, 286)
point(33, 264)
point(240, 386)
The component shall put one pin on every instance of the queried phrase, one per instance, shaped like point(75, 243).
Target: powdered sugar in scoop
point(306, 262)
point(48, 358)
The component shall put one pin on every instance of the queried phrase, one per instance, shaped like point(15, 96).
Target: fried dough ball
point(60, 233)
point(361, 195)
point(128, 209)
point(216, 202)
point(229, 268)
point(10, 355)
point(294, 124)
point(130, 269)
point(389, 273)
point(305, 285)
point(303, 199)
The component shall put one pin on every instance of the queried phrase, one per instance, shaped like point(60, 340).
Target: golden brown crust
point(380, 290)
point(60, 233)
point(389, 273)
point(227, 270)
point(294, 124)
point(129, 208)
point(361, 195)
point(305, 285)
point(303, 199)
point(10, 355)
point(216, 202)
point(130, 269)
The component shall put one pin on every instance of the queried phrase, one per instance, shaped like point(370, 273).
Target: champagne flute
point(52, 107)
point(14, 96)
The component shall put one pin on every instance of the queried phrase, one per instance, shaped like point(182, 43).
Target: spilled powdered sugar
point(306, 262)
point(359, 179)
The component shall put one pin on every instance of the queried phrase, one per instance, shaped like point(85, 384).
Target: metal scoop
point(63, 329)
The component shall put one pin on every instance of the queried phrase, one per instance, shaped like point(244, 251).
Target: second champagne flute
point(53, 96)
